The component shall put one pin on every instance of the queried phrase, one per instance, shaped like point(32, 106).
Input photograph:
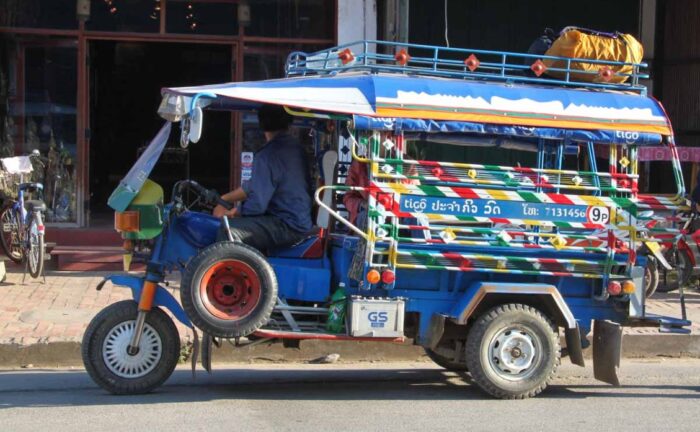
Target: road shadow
point(51, 388)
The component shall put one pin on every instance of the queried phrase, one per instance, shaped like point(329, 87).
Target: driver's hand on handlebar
point(219, 211)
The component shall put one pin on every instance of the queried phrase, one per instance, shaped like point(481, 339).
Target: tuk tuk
point(482, 264)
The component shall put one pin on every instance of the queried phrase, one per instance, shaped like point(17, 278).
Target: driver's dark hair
point(273, 118)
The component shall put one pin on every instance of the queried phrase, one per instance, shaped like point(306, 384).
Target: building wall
point(357, 20)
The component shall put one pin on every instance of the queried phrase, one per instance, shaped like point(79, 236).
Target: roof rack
point(463, 63)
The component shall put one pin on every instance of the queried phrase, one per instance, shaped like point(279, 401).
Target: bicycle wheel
point(10, 237)
point(35, 250)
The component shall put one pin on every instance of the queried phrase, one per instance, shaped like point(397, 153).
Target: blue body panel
point(162, 297)
point(426, 292)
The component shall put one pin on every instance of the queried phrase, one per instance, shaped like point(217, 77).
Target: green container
point(337, 310)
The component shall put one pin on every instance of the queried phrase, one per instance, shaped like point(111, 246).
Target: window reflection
point(206, 18)
point(55, 14)
point(124, 16)
point(41, 115)
point(291, 18)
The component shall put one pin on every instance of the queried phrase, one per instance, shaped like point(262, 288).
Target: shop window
point(38, 85)
point(309, 19)
point(134, 16)
point(202, 17)
point(54, 14)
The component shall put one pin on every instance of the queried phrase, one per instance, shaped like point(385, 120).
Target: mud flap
point(207, 343)
point(607, 346)
point(574, 347)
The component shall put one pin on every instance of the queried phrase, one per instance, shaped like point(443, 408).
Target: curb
point(67, 354)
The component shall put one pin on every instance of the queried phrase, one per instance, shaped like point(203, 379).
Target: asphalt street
point(657, 394)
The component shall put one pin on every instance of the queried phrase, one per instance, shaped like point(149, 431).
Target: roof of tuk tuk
point(424, 103)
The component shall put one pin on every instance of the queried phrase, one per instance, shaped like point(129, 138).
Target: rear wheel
point(35, 249)
point(105, 346)
point(229, 290)
point(513, 351)
point(11, 240)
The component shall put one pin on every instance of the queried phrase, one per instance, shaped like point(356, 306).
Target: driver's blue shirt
point(280, 183)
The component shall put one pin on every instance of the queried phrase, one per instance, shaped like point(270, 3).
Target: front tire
point(105, 345)
point(513, 351)
point(229, 290)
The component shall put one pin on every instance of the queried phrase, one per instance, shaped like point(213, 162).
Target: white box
point(376, 317)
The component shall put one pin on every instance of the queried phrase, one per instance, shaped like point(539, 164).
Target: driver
point(275, 204)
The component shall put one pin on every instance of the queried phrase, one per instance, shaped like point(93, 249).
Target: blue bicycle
point(22, 225)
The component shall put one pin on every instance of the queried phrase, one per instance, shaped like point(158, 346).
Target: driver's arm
point(233, 197)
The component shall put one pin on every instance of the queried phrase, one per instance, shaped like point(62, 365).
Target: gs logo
point(378, 319)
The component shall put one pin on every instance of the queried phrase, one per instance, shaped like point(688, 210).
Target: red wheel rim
point(230, 290)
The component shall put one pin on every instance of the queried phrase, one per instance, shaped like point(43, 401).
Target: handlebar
point(209, 196)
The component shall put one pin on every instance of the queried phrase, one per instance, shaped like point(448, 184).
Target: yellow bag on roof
point(578, 43)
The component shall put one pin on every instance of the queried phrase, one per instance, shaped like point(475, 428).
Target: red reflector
point(388, 277)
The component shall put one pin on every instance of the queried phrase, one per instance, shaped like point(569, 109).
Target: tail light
point(614, 288)
point(388, 277)
point(628, 287)
point(127, 221)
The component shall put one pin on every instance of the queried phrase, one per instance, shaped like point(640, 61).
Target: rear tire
point(104, 349)
point(229, 290)
point(10, 238)
point(35, 251)
point(513, 351)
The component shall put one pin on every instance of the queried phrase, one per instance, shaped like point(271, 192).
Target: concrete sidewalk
point(43, 323)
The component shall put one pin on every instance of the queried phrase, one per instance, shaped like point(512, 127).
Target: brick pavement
point(60, 309)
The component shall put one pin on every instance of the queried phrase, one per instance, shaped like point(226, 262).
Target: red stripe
point(560, 199)
point(452, 256)
point(466, 193)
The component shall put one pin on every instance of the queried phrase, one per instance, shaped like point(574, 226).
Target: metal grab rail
point(461, 63)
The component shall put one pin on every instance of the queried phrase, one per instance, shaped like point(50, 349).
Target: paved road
point(658, 394)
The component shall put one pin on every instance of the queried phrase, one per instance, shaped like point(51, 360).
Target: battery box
point(376, 317)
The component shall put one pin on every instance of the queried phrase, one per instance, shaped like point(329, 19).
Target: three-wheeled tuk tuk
point(481, 263)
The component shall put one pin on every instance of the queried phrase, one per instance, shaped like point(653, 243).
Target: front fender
point(162, 297)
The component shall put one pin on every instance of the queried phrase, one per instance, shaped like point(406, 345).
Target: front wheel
point(513, 351)
point(35, 249)
point(105, 346)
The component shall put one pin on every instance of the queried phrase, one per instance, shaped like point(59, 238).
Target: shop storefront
point(80, 81)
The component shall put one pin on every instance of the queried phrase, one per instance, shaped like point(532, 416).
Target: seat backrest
point(329, 162)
